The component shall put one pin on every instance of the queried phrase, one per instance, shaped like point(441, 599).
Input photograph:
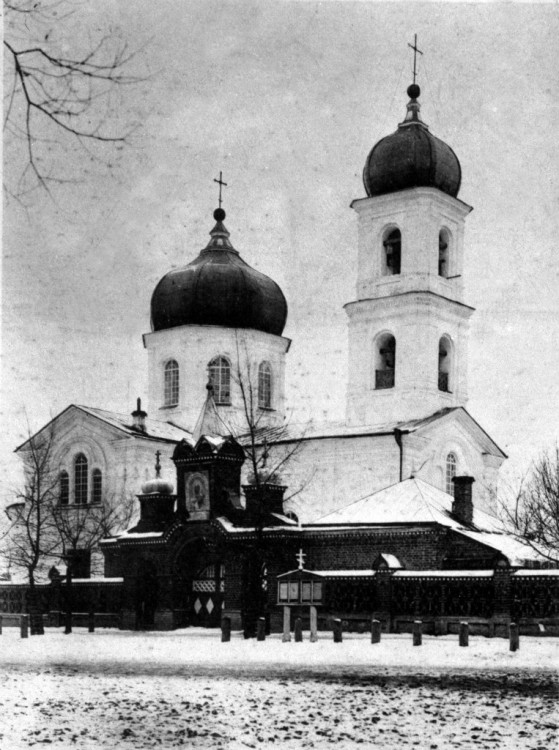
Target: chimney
point(462, 506)
point(139, 417)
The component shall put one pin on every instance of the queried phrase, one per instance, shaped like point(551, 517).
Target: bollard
point(337, 628)
point(314, 625)
point(464, 635)
point(225, 629)
point(514, 637)
point(261, 629)
point(0, 624)
point(375, 631)
point(24, 626)
point(68, 623)
point(417, 625)
point(286, 637)
point(298, 630)
point(91, 622)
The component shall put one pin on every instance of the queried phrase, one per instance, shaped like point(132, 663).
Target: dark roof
point(218, 288)
point(411, 157)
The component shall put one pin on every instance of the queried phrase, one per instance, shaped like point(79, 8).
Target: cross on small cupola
point(300, 556)
point(157, 464)
point(221, 185)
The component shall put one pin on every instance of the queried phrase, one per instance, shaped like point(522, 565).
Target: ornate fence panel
point(535, 594)
point(435, 595)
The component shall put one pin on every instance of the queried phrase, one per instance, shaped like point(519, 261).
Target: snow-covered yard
point(116, 689)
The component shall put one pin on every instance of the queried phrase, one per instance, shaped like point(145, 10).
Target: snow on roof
point(543, 572)
point(391, 560)
point(332, 573)
point(414, 501)
point(232, 529)
point(444, 573)
point(155, 429)
point(97, 579)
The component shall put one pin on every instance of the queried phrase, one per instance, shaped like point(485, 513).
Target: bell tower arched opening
point(391, 252)
point(385, 361)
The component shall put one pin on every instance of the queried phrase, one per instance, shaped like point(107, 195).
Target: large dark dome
point(219, 289)
point(411, 157)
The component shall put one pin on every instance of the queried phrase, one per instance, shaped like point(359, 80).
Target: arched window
point(220, 378)
point(97, 482)
point(392, 251)
point(444, 242)
point(64, 488)
point(445, 364)
point(385, 361)
point(265, 385)
point(80, 479)
point(171, 387)
point(450, 473)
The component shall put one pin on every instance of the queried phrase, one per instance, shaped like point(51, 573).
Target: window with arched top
point(220, 379)
point(444, 259)
point(450, 473)
point(392, 252)
point(171, 383)
point(265, 385)
point(385, 361)
point(64, 488)
point(445, 364)
point(80, 479)
point(97, 486)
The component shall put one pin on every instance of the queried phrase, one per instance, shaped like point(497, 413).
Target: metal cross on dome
point(415, 49)
point(301, 558)
point(221, 184)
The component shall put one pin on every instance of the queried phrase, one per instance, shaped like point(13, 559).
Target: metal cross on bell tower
point(415, 49)
point(300, 558)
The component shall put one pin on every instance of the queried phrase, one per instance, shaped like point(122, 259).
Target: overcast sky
point(288, 98)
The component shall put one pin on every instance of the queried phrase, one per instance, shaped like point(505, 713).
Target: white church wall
point(193, 347)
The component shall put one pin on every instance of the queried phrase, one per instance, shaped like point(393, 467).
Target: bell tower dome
point(408, 325)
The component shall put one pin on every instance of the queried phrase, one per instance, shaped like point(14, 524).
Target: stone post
point(286, 625)
point(91, 622)
point(24, 626)
point(0, 624)
point(314, 625)
point(464, 635)
point(337, 629)
point(375, 631)
point(417, 631)
point(225, 629)
point(261, 629)
point(298, 630)
point(514, 637)
point(68, 623)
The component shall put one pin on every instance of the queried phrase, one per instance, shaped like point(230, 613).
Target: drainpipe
point(398, 438)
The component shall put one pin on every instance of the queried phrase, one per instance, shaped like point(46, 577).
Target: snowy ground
point(141, 690)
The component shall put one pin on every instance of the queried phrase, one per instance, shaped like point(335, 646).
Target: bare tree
point(32, 539)
point(532, 511)
point(61, 93)
point(80, 528)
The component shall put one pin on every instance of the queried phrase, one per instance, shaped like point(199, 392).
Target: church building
point(402, 488)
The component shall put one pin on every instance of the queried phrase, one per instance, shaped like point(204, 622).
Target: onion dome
point(218, 289)
point(411, 157)
point(157, 486)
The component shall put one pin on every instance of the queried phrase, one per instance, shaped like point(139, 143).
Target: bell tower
point(408, 326)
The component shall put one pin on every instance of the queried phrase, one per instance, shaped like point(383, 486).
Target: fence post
point(375, 631)
point(261, 629)
point(225, 629)
point(337, 628)
point(24, 626)
point(298, 630)
point(417, 630)
point(0, 624)
point(514, 637)
point(68, 623)
point(464, 636)
point(286, 637)
point(91, 622)
point(314, 625)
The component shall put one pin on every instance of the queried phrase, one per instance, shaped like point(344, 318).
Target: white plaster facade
point(193, 347)
point(417, 306)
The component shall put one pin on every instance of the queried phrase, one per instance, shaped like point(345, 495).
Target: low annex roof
point(155, 429)
point(414, 501)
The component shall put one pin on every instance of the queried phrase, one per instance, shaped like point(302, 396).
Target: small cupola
point(157, 502)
